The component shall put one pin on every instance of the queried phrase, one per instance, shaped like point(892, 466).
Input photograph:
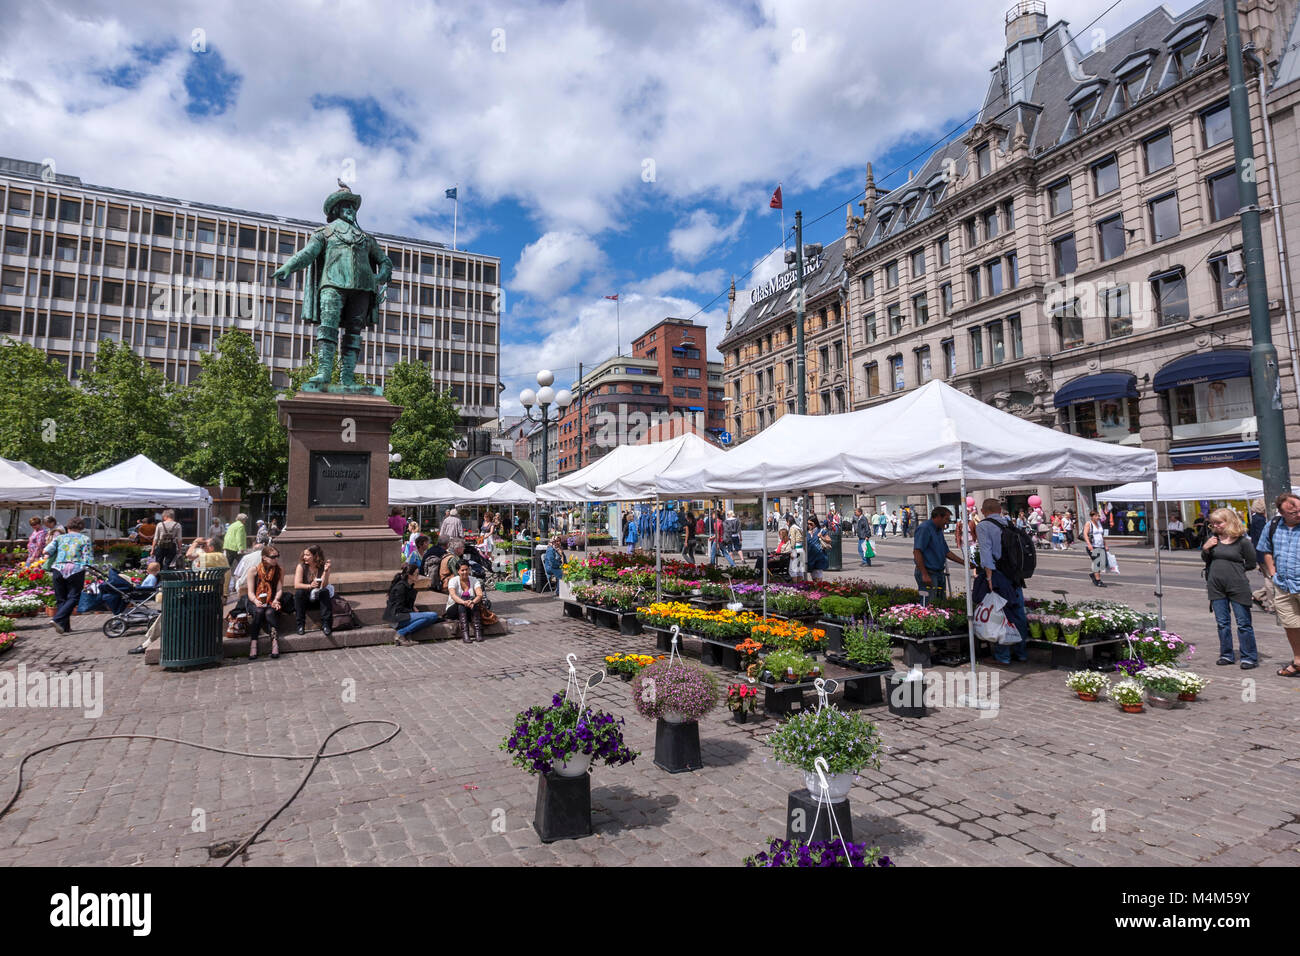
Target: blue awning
point(1093, 388)
point(1215, 454)
point(1203, 367)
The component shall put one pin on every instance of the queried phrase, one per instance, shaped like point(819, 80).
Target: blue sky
point(598, 148)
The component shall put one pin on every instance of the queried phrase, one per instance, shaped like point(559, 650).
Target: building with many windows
point(1075, 258)
point(665, 386)
point(81, 263)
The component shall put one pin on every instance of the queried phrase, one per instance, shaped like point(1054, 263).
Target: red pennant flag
point(614, 297)
point(775, 202)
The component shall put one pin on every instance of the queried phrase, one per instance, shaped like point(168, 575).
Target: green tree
point(39, 410)
point(423, 433)
point(128, 408)
point(232, 424)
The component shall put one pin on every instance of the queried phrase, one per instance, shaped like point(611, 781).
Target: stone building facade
point(1074, 258)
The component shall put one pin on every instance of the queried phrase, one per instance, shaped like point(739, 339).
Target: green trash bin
point(191, 618)
point(835, 553)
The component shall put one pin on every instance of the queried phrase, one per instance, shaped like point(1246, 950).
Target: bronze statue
point(343, 290)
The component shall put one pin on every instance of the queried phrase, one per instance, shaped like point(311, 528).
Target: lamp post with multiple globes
point(544, 398)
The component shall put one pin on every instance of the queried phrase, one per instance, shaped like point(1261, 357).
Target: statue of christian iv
point(347, 278)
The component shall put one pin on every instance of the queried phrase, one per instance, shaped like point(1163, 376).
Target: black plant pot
point(739, 716)
point(801, 812)
point(626, 676)
point(906, 698)
point(563, 807)
point(677, 746)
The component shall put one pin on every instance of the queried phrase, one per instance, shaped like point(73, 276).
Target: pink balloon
point(1035, 501)
point(970, 502)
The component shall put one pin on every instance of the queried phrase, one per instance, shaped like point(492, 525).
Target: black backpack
point(1019, 559)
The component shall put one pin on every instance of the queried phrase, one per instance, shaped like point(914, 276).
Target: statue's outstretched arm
point(302, 258)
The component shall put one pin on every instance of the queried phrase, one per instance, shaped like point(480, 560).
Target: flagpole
point(778, 189)
point(618, 322)
point(455, 215)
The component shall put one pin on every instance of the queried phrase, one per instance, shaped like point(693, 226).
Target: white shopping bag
point(1111, 564)
point(991, 623)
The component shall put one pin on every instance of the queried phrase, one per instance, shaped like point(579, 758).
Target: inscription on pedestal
point(339, 479)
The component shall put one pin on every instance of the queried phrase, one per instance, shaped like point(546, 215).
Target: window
point(16, 242)
point(869, 328)
point(920, 310)
point(871, 373)
point(973, 281)
point(977, 348)
point(1110, 236)
point(945, 251)
point(923, 372)
point(1009, 214)
point(1171, 297)
point(837, 350)
point(1069, 324)
point(891, 275)
point(895, 315)
point(1059, 197)
point(1224, 201)
point(1211, 409)
point(12, 282)
point(65, 250)
point(70, 210)
point(945, 296)
point(20, 203)
point(824, 355)
point(1229, 287)
point(64, 287)
point(1216, 125)
point(1105, 176)
point(949, 357)
point(1063, 256)
point(1129, 90)
point(247, 238)
point(1013, 270)
point(869, 286)
point(997, 344)
point(994, 270)
point(1159, 151)
point(1164, 217)
point(990, 217)
point(972, 233)
point(896, 373)
point(1079, 117)
point(918, 263)
point(1117, 311)
point(983, 160)
point(679, 371)
point(1017, 341)
point(162, 225)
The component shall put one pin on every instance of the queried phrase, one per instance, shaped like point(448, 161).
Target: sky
point(598, 148)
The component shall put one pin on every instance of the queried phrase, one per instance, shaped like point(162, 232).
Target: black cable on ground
point(314, 758)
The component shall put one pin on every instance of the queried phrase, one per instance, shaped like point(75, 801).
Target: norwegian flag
point(775, 202)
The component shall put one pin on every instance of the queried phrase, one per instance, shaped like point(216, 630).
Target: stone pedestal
point(338, 480)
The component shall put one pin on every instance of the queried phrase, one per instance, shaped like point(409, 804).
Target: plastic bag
point(991, 623)
point(1111, 564)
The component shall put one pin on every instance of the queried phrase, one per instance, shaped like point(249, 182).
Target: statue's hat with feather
point(335, 199)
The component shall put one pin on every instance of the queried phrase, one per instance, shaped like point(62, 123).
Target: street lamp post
point(795, 258)
point(544, 398)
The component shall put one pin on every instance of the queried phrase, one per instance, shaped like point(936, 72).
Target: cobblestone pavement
point(1049, 780)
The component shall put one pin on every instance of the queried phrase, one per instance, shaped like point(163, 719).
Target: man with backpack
point(1006, 559)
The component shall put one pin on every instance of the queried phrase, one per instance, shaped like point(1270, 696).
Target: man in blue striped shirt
point(1279, 552)
point(989, 535)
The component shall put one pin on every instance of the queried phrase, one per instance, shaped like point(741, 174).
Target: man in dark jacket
point(862, 527)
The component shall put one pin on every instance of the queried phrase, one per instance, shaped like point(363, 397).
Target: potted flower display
point(1192, 684)
point(1087, 684)
point(1051, 627)
point(868, 648)
point(842, 610)
point(848, 742)
point(1153, 645)
point(1163, 685)
point(789, 665)
point(741, 699)
point(1035, 626)
point(918, 620)
point(627, 666)
point(675, 695)
point(563, 740)
point(1128, 694)
point(1129, 667)
point(1070, 627)
point(7, 639)
point(818, 853)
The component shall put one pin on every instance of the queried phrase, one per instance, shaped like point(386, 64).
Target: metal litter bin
point(835, 553)
point(191, 618)
point(539, 569)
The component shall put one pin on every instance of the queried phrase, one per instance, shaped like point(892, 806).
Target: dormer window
point(1083, 104)
point(1186, 47)
point(984, 160)
point(884, 218)
point(1132, 77)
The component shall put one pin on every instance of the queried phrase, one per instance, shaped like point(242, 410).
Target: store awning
point(1093, 388)
point(1215, 454)
point(1203, 367)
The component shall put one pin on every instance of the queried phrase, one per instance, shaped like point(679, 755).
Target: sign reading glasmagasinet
point(784, 281)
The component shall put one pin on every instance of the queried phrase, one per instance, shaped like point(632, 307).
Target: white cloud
point(673, 279)
point(701, 233)
point(556, 261)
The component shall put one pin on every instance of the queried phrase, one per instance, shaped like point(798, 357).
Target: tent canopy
point(929, 439)
point(502, 493)
point(1201, 484)
point(585, 484)
point(686, 453)
point(136, 482)
point(431, 491)
point(20, 482)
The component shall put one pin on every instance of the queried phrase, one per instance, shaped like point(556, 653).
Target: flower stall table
point(779, 697)
point(1084, 655)
point(921, 650)
point(625, 622)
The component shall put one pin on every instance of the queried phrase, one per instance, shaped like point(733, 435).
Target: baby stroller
point(133, 607)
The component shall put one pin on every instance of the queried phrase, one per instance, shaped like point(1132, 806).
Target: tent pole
point(765, 551)
point(1155, 540)
point(659, 553)
point(970, 611)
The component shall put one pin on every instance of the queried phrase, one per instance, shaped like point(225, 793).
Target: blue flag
point(450, 193)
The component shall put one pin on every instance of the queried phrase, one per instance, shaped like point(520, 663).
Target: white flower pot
point(839, 783)
point(674, 716)
point(575, 766)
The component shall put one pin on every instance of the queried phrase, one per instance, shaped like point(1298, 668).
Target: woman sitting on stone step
point(312, 588)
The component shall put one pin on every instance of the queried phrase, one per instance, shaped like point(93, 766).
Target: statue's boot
point(325, 354)
point(348, 367)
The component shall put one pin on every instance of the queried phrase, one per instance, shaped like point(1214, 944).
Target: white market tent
point(432, 491)
point(502, 493)
point(686, 453)
point(136, 482)
point(22, 483)
point(1204, 484)
point(586, 484)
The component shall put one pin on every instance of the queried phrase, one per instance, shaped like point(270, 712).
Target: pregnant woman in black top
point(1228, 555)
